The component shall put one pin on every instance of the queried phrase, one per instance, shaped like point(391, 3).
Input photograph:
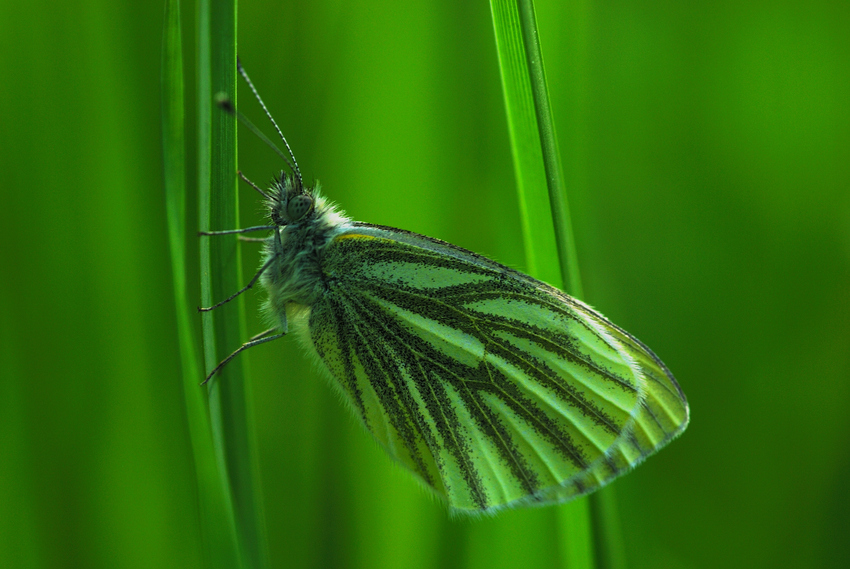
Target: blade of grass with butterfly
point(218, 527)
point(541, 244)
point(539, 172)
point(493, 388)
point(229, 400)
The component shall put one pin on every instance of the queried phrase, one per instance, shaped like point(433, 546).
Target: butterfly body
point(294, 276)
point(493, 388)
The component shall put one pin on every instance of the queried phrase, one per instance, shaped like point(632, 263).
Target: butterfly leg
point(247, 229)
point(253, 185)
point(241, 290)
point(260, 338)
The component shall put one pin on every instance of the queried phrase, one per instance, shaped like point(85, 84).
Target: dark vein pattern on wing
point(417, 366)
point(371, 298)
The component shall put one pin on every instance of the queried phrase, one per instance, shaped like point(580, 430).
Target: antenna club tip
point(224, 102)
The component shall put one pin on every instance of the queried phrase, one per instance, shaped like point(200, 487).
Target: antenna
point(225, 104)
point(268, 114)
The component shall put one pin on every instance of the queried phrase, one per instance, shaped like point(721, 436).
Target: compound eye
point(299, 206)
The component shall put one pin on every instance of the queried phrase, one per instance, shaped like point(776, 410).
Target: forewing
point(494, 388)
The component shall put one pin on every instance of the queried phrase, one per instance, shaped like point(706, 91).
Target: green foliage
point(217, 522)
point(549, 248)
point(230, 400)
point(708, 144)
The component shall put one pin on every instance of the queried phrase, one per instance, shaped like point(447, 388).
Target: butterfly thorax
point(294, 275)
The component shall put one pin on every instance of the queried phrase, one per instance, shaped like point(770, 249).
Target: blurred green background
point(709, 149)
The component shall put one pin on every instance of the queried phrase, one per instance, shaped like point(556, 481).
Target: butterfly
point(493, 388)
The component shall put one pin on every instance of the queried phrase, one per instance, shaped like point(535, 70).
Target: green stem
point(541, 195)
point(608, 549)
point(218, 529)
point(224, 328)
point(565, 241)
point(537, 163)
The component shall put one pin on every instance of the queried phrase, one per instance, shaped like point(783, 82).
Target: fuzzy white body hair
point(293, 280)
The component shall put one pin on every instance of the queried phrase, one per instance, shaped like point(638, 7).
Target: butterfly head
point(290, 201)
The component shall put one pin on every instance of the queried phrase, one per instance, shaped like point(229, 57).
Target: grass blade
point(216, 511)
point(224, 328)
point(542, 196)
point(609, 548)
point(526, 148)
point(554, 172)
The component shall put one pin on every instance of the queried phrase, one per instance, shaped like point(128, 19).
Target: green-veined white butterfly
point(494, 388)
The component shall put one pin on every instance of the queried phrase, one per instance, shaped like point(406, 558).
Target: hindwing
point(494, 388)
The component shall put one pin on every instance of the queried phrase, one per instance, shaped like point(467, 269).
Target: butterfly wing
point(494, 388)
